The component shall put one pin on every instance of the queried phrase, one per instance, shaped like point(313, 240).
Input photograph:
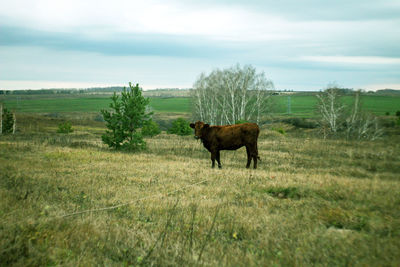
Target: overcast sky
point(300, 45)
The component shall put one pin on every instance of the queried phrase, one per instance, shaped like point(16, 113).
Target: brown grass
point(311, 202)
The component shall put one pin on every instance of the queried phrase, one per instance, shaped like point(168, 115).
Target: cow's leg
point(255, 155)
point(248, 157)
point(213, 156)
point(218, 159)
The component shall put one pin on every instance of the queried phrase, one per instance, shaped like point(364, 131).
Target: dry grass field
point(310, 202)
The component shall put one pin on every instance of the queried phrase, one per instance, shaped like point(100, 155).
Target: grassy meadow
point(310, 202)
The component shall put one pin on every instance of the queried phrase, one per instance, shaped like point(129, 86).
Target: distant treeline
point(161, 91)
point(62, 91)
point(388, 92)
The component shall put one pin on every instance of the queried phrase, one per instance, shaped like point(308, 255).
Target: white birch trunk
point(1, 118)
point(15, 123)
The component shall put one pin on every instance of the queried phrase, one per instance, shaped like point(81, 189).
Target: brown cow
point(228, 137)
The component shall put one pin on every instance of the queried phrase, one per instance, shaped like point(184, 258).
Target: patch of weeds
point(357, 173)
point(81, 144)
point(19, 187)
point(330, 194)
point(279, 130)
point(142, 216)
point(123, 212)
point(243, 199)
point(81, 199)
point(386, 229)
point(285, 192)
point(372, 167)
point(18, 240)
point(231, 233)
point(343, 219)
point(239, 234)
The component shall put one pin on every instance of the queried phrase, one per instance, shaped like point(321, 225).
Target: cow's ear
point(192, 125)
point(206, 125)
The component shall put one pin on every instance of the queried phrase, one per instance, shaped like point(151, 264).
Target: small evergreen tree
point(128, 114)
point(7, 121)
point(180, 127)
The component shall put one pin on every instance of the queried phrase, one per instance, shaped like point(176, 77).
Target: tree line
point(62, 91)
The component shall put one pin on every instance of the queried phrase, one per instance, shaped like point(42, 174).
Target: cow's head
point(198, 127)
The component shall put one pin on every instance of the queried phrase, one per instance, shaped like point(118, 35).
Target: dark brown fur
point(228, 137)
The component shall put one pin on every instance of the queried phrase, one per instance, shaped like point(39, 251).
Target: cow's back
point(232, 137)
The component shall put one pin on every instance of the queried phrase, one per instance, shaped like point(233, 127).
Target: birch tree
point(231, 95)
point(339, 119)
point(331, 108)
point(359, 124)
point(1, 118)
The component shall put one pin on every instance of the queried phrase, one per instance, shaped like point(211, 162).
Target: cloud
point(34, 84)
point(117, 44)
point(41, 64)
point(316, 10)
point(379, 86)
point(100, 17)
point(353, 60)
point(306, 23)
point(301, 42)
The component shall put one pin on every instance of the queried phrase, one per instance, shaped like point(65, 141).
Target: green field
point(88, 104)
point(300, 105)
point(305, 105)
point(176, 105)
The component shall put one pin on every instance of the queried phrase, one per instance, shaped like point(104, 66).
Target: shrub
point(388, 122)
point(53, 115)
point(65, 127)
point(398, 113)
point(7, 121)
point(180, 127)
point(150, 128)
point(99, 118)
point(279, 130)
point(301, 123)
point(164, 124)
